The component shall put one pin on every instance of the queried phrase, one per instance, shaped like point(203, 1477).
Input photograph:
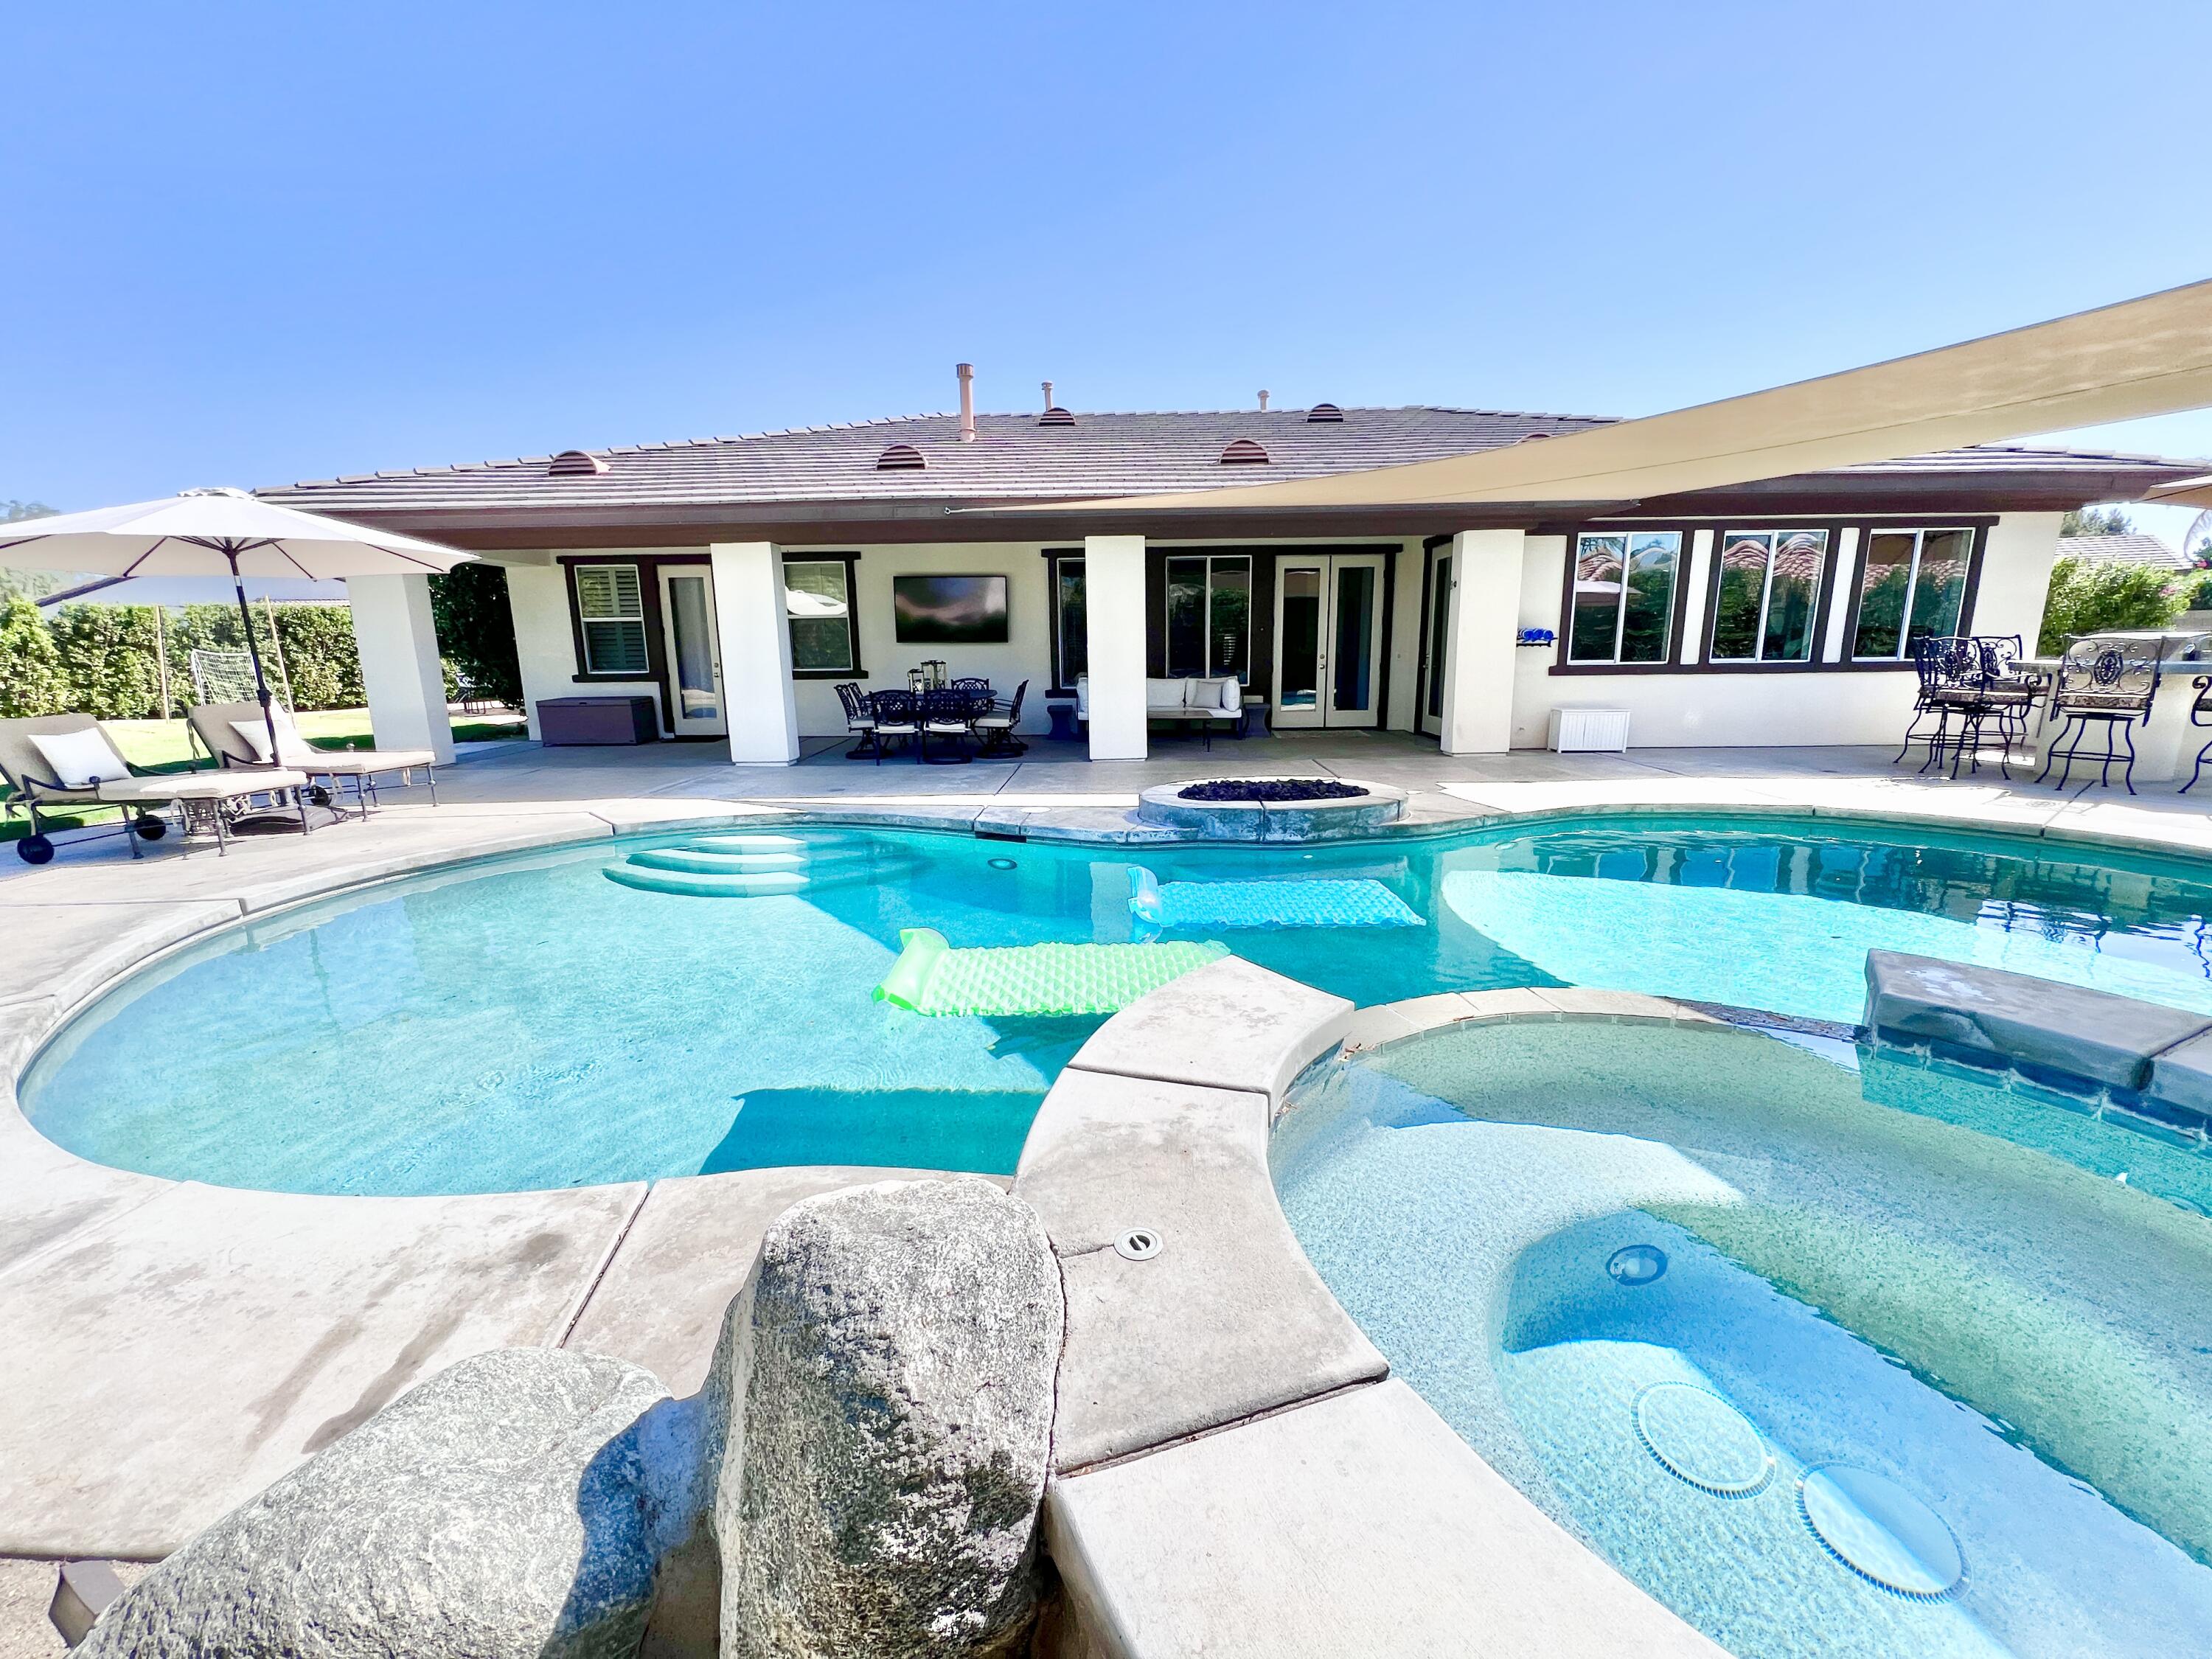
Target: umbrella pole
point(253, 651)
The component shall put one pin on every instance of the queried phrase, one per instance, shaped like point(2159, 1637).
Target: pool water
point(1887, 1364)
point(528, 1021)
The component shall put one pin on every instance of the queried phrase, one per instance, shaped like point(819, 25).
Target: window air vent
point(1323, 412)
point(1244, 453)
point(1055, 416)
point(574, 464)
point(901, 458)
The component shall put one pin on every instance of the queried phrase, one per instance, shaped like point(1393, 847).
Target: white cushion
point(79, 757)
point(1224, 693)
point(1166, 694)
point(291, 747)
point(1083, 697)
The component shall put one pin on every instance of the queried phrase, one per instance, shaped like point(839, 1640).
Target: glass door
point(1329, 638)
point(695, 655)
point(1430, 715)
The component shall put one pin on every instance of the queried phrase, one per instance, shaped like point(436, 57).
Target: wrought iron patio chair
point(946, 714)
point(1949, 668)
point(995, 727)
point(2200, 714)
point(859, 719)
point(897, 715)
point(2106, 681)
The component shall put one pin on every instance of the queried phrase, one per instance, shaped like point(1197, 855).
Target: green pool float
point(930, 977)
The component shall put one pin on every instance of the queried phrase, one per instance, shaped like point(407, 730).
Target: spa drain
point(1881, 1531)
point(1138, 1244)
point(1699, 1437)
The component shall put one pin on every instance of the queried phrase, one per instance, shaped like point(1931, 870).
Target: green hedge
point(2096, 598)
point(100, 659)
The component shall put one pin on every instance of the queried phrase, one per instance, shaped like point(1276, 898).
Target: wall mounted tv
point(950, 609)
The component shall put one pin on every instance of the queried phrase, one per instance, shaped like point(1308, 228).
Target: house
point(736, 580)
point(2130, 548)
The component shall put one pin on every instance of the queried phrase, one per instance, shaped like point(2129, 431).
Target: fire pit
point(1272, 808)
point(1273, 791)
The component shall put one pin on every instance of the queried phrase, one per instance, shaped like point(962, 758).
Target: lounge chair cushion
point(292, 749)
point(80, 759)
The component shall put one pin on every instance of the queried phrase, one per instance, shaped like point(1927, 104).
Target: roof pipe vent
point(1324, 412)
point(967, 373)
point(1263, 402)
point(1047, 394)
point(574, 464)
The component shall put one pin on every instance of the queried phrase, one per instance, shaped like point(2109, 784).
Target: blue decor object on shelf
point(1537, 636)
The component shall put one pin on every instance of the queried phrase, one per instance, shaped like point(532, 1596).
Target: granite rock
point(511, 1505)
point(879, 1421)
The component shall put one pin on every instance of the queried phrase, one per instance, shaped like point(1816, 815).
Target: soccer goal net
point(223, 677)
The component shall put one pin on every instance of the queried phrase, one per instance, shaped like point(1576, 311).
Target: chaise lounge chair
point(238, 737)
point(85, 770)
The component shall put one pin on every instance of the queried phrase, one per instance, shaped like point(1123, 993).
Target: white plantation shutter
point(610, 603)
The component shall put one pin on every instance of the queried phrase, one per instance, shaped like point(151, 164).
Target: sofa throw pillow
point(1223, 694)
point(79, 759)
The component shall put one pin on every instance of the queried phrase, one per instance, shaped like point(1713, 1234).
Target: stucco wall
point(1845, 706)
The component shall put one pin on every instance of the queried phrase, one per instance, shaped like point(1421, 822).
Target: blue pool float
point(1359, 902)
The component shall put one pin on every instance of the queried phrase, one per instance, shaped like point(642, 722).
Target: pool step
point(759, 866)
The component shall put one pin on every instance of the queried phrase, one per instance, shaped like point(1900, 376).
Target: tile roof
point(1015, 457)
point(2129, 548)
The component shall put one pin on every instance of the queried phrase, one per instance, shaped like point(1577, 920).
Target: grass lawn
point(167, 746)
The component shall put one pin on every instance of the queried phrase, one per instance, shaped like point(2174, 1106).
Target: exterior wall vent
point(1324, 412)
point(1244, 453)
point(1055, 416)
point(574, 464)
point(901, 458)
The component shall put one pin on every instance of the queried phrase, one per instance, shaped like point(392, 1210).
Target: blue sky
point(253, 243)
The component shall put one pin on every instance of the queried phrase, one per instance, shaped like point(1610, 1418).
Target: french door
point(1435, 637)
point(695, 652)
point(1328, 638)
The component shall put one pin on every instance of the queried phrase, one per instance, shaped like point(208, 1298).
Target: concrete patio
point(176, 1347)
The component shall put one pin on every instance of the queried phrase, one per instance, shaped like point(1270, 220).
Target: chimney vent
point(967, 373)
point(1263, 403)
point(1047, 394)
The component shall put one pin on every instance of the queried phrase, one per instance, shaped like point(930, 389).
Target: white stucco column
point(1486, 609)
point(399, 646)
point(756, 652)
point(1114, 612)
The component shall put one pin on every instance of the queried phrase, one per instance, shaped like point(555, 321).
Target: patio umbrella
point(213, 533)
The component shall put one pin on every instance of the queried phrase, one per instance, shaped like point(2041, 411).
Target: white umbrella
point(208, 532)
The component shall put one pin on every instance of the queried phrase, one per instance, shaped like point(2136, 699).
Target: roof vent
point(900, 458)
point(1323, 412)
point(574, 464)
point(1531, 437)
point(1244, 453)
point(1055, 416)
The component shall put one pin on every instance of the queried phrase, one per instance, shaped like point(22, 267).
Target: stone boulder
point(515, 1504)
point(880, 1424)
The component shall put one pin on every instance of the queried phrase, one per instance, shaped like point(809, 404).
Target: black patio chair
point(859, 720)
point(2106, 681)
point(2200, 714)
point(946, 712)
point(1950, 667)
point(995, 727)
point(897, 715)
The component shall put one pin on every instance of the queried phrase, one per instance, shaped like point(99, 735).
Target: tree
point(107, 653)
point(2096, 598)
point(2096, 521)
point(475, 630)
point(30, 584)
point(30, 678)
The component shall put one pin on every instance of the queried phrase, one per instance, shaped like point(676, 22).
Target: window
point(1913, 586)
point(818, 599)
point(1623, 606)
point(1766, 598)
point(1209, 616)
point(1071, 625)
point(610, 608)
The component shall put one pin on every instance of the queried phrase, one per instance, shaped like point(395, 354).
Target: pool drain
point(1881, 1531)
point(1636, 1264)
point(1699, 1437)
point(1138, 1244)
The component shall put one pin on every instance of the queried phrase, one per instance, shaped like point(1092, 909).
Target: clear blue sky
point(253, 243)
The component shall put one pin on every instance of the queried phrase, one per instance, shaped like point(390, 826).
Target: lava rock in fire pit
point(1271, 790)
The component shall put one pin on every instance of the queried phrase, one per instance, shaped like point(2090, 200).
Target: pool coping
point(98, 925)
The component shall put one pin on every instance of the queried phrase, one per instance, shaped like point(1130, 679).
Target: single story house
point(736, 582)
point(2129, 547)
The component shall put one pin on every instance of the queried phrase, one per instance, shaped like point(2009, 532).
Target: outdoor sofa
point(1189, 701)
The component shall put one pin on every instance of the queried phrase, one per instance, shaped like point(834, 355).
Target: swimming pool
point(528, 1022)
point(1885, 1365)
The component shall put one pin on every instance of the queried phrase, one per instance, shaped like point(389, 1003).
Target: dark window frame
point(1055, 559)
point(1979, 527)
point(1686, 543)
point(1823, 609)
point(1251, 582)
point(851, 561)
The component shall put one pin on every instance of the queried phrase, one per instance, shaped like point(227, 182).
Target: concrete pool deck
point(173, 1347)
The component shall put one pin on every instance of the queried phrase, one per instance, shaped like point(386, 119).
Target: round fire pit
point(1271, 809)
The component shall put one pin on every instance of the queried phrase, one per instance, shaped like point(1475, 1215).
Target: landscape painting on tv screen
point(950, 609)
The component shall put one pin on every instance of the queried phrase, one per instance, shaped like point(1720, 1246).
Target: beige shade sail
point(2185, 492)
point(2121, 362)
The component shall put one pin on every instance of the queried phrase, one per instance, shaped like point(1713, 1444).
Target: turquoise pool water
point(528, 1022)
point(1691, 1290)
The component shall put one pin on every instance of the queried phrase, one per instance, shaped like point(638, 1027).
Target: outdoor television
point(950, 609)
